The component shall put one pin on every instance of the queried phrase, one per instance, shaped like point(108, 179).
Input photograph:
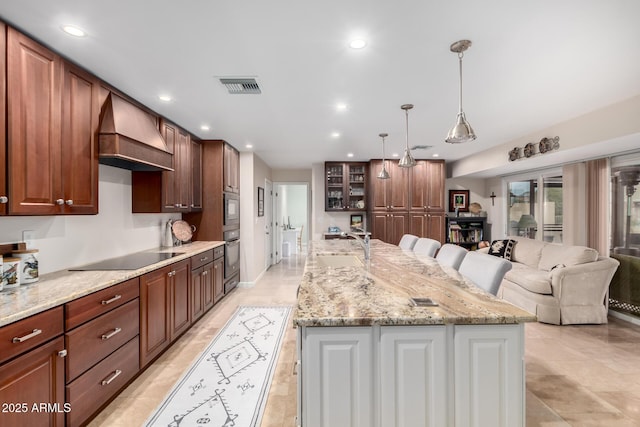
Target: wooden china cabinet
point(346, 186)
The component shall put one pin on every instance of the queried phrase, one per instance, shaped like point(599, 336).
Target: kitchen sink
point(338, 261)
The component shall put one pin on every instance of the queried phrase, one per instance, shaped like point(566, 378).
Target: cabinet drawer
point(91, 342)
point(218, 252)
point(25, 334)
point(94, 388)
point(201, 259)
point(97, 303)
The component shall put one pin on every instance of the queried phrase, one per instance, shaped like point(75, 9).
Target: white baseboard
point(625, 317)
point(246, 284)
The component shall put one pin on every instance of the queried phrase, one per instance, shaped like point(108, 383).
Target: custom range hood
point(129, 138)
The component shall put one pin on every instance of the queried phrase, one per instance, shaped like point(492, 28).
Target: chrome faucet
point(365, 243)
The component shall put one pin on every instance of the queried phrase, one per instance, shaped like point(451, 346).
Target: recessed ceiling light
point(349, 154)
point(341, 107)
point(204, 127)
point(395, 155)
point(73, 31)
point(165, 98)
point(357, 43)
point(436, 155)
point(249, 146)
point(335, 135)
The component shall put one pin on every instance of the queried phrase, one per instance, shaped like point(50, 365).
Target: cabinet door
point(378, 225)
point(169, 197)
point(183, 170)
point(154, 314)
point(489, 375)
point(335, 186)
point(196, 175)
point(413, 378)
point(398, 187)
point(231, 169)
point(419, 186)
point(377, 187)
point(34, 117)
point(208, 290)
point(338, 372)
point(197, 291)
point(356, 178)
point(435, 176)
point(80, 125)
point(398, 227)
point(3, 118)
point(180, 302)
point(33, 378)
point(436, 227)
point(218, 280)
point(418, 224)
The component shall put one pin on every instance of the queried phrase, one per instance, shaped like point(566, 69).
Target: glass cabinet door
point(335, 194)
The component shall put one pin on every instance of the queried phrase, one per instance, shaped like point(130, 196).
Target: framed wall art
point(459, 199)
point(260, 201)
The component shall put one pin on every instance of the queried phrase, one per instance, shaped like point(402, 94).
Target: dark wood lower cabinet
point(165, 308)
point(389, 227)
point(32, 387)
point(428, 224)
point(97, 386)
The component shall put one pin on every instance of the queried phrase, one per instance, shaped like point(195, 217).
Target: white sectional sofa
point(560, 284)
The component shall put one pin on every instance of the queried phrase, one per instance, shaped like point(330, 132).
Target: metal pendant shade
point(407, 160)
point(383, 174)
point(462, 130)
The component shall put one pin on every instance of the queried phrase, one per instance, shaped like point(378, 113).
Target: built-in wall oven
point(231, 215)
point(231, 259)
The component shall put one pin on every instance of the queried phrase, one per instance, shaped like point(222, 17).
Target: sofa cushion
point(554, 254)
point(527, 251)
point(533, 280)
point(502, 248)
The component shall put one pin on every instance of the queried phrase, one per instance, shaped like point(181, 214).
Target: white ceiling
point(532, 64)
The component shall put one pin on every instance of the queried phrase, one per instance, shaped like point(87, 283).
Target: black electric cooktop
point(128, 262)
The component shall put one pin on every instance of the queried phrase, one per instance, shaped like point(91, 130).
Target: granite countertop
point(378, 292)
point(54, 289)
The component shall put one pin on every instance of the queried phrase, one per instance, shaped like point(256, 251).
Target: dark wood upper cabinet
point(34, 86)
point(80, 116)
point(346, 186)
point(427, 185)
point(3, 116)
point(389, 194)
point(169, 191)
point(231, 169)
point(196, 175)
point(53, 112)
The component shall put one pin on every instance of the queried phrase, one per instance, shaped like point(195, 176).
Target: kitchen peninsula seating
point(560, 284)
point(486, 271)
point(408, 241)
point(451, 255)
point(427, 247)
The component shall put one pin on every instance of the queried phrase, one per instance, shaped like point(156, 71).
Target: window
point(534, 214)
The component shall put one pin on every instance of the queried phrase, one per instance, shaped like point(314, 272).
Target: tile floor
point(576, 375)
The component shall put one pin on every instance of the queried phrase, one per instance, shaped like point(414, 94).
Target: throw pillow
point(502, 248)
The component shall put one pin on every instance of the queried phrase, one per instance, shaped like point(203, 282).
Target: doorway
point(269, 258)
point(291, 218)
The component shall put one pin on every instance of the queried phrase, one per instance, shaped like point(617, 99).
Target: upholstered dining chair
point(485, 270)
point(408, 241)
point(426, 246)
point(451, 255)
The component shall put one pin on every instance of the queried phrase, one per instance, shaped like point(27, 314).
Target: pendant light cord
point(460, 55)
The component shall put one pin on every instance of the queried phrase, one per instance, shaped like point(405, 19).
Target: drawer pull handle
point(35, 332)
point(109, 301)
point(204, 273)
point(115, 375)
point(203, 259)
point(110, 334)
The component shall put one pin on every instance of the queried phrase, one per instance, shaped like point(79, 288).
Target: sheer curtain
point(598, 202)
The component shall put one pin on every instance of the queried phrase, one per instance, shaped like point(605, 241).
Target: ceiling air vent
point(236, 86)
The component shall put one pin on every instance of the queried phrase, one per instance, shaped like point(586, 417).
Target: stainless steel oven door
point(231, 258)
point(231, 209)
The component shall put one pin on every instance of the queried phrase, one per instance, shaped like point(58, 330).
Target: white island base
point(419, 375)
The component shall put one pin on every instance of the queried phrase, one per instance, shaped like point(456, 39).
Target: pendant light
point(461, 131)
point(407, 161)
point(383, 174)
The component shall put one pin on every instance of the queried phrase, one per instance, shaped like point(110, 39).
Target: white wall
point(253, 172)
point(73, 240)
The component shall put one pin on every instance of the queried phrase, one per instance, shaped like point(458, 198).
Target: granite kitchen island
point(368, 356)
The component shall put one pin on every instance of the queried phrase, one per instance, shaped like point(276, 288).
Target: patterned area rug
point(229, 383)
